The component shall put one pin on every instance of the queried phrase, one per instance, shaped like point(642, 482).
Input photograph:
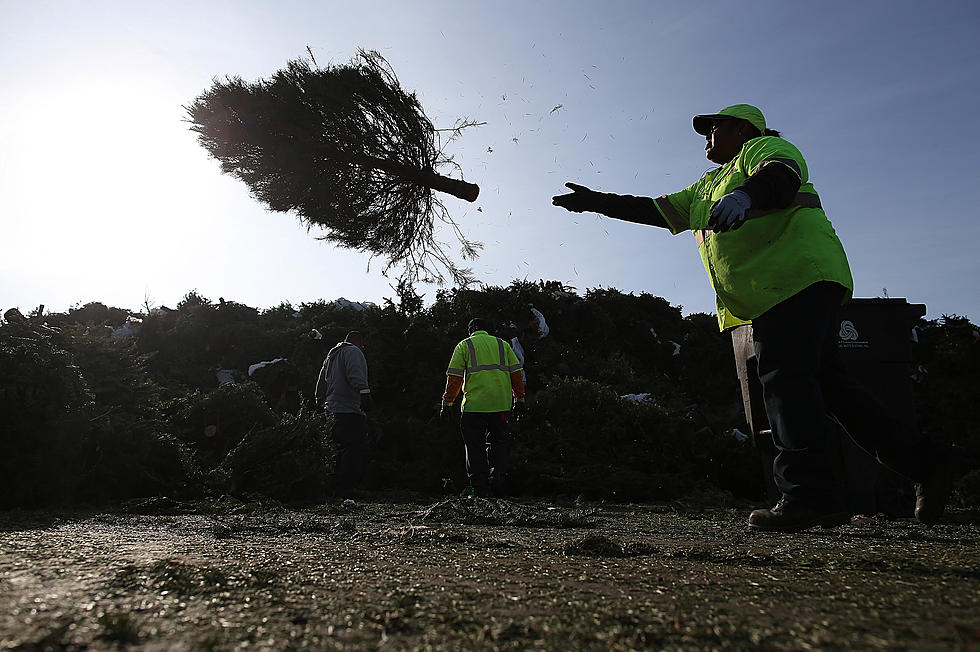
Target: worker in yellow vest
point(774, 260)
point(488, 372)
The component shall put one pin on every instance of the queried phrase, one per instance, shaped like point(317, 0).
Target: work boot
point(795, 516)
point(932, 494)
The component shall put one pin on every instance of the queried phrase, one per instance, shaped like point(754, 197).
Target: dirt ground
point(479, 574)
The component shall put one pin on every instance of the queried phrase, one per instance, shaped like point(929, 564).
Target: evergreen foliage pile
point(213, 422)
point(131, 448)
point(947, 390)
point(287, 461)
point(46, 406)
point(82, 420)
point(585, 439)
point(92, 416)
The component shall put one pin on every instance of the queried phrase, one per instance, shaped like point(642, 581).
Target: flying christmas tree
point(344, 148)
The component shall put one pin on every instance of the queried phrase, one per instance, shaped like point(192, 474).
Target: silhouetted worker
point(488, 372)
point(342, 389)
point(773, 258)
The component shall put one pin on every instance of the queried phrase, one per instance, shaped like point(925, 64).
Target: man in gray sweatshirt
point(342, 389)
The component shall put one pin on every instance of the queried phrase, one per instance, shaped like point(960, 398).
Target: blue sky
point(106, 196)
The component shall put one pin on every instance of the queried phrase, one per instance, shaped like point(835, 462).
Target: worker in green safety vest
point(774, 260)
point(488, 373)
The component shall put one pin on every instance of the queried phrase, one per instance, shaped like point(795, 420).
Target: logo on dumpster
point(849, 336)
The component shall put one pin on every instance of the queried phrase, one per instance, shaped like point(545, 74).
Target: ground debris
point(374, 573)
point(496, 511)
point(286, 523)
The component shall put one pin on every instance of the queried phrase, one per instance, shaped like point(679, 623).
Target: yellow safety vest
point(776, 253)
point(485, 363)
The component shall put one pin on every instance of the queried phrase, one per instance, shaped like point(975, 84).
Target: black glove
point(367, 403)
point(519, 411)
point(444, 411)
point(579, 200)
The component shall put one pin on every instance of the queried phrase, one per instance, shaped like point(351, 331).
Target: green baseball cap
point(702, 123)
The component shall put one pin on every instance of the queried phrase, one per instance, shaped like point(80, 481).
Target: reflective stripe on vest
point(487, 367)
point(677, 221)
point(801, 200)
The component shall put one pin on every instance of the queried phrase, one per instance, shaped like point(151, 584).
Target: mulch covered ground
point(479, 574)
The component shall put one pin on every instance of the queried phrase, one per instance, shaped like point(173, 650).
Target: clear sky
point(106, 196)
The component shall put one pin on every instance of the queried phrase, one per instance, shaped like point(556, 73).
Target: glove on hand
point(579, 200)
point(444, 411)
point(728, 213)
point(367, 403)
point(519, 411)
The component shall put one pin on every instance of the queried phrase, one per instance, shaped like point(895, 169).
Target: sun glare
point(101, 167)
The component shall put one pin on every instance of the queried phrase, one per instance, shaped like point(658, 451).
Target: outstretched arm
point(628, 208)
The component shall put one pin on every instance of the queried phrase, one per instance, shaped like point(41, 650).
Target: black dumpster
point(875, 339)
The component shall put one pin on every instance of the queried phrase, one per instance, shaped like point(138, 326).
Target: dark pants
point(804, 380)
point(486, 445)
point(351, 434)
